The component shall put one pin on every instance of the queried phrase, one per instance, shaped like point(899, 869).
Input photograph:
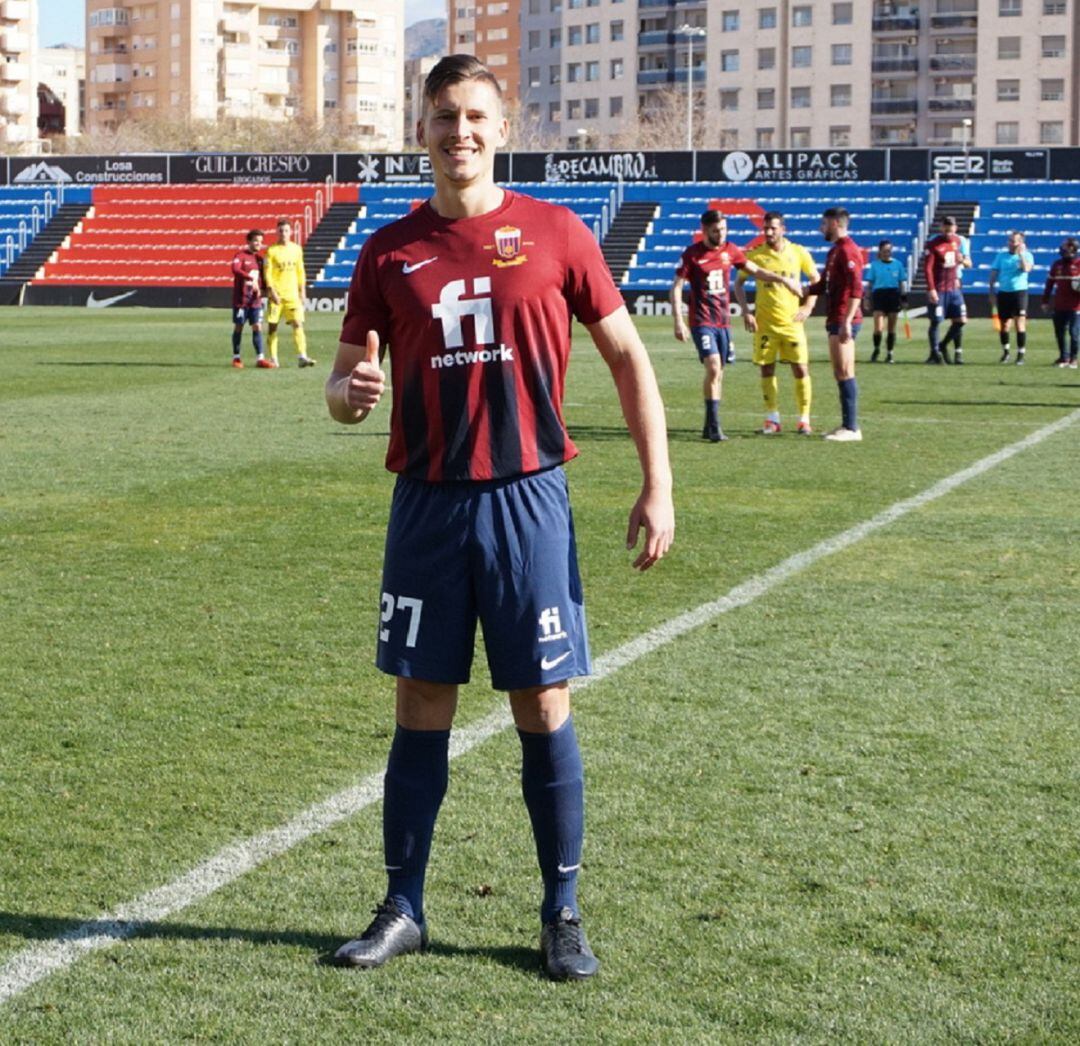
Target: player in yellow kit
point(285, 281)
point(777, 320)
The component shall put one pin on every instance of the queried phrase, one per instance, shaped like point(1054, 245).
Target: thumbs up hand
point(366, 382)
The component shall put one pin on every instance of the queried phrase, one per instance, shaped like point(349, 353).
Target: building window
point(1010, 8)
point(840, 96)
point(573, 72)
point(1052, 90)
point(554, 112)
point(534, 76)
point(765, 137)
point(800, 98)
point(554, 72)
point(592, 71)
point(766, 18)
point(1008, 47)
point(843, 14)
point(617, 31)
point(592, 33)
point(800, 138)
point(729, 139)
point(802, 57)
point(573, 109)
point(592, 108)
point(616, 69)
point(1007, 132)
point(1053, 47)
point(555, 38)
point(1008, 90)
point(729, 101)
point(766, 98)
point(534, 39)
point(729, 21)
point(573, 35)
point(533, 110)
point(802, 15)
point(1054, 7)
point(1051, 132)
point(840, 137)
point(766, 58)
point(729, 61)
point(614, 105)
point(841, 54)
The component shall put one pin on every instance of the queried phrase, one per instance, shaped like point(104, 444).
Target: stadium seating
point(1046, 212)
point(24, 212)
point(181, 235)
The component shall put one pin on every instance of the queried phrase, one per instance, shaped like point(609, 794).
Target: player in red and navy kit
point(706, 266)
point(473, 294)
point(1063, 290)
point(842, 285)
point(247, 297)
point(943, 262)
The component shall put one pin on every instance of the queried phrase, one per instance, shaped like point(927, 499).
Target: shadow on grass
point(48, 928)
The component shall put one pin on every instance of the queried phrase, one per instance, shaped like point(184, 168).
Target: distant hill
point(426, 37)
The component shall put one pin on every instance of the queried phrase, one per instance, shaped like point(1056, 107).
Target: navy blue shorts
point(950, 306)
point(501, 552)
point(253, 316)
point(834, 329)
point(712, 341)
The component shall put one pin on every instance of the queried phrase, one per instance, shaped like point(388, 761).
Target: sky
point(64, 21)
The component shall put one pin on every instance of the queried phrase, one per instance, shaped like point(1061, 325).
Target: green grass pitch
point(844, 812)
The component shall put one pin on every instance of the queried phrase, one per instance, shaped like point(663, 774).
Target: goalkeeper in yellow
point(285, 281)
point(777, 321)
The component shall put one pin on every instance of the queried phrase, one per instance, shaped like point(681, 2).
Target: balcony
point(951, 105)
point(12, 104)
point(908, 23)
point(954, 23)
point(894, 106)
point(952, 63)
point(15, 10)
point(655, 38)
point(14, 71)
point(669, 76)
point(894, 65)
point(14, 132)
point(14, 42)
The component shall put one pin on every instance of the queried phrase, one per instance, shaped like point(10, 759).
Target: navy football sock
point(236, 343)
point(257, 341)
point(712, 412)
point(552, 782)
point(956, 333)
point(849, 396)
point(1021, 341)
point(417, 774)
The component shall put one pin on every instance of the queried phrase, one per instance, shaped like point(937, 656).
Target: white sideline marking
point(37, 962)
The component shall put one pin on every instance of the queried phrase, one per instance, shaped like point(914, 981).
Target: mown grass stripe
point(39, 961)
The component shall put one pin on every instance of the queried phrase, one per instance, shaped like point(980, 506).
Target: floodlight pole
point(691, 32)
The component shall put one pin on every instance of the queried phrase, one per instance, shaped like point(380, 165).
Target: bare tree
point(661, 122)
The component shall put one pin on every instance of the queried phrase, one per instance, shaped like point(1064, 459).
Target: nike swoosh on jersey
point(547, 663)
point(406, 268)
point(104, 303)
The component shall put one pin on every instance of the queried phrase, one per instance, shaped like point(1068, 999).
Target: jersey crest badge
point(508, 245)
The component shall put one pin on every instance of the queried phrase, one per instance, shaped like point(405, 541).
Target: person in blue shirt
point(1009, 292)
point(886, 293)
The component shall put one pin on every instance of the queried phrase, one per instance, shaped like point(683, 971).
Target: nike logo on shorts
point(548, 663)
point(406, 268)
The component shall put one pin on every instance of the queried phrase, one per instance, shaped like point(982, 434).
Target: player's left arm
point(301, 276)
point(1027, 260)
point(619, 343)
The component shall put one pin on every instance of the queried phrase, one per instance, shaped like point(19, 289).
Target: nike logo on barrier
point(104, 303)
point(547, 663)
point(407, 268)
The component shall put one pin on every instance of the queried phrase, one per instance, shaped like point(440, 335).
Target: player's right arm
point(928, 271)
point(681, 332)
point(1049, 287)
point(749, 319)
point(356, 383)
point(810, 271)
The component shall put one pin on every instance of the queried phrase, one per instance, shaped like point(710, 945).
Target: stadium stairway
point(626, 235)
point(40, 249)
point(327, 237)
point(964, 211)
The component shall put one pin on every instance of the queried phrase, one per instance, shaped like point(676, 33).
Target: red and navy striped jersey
point(841, 281)
point(708, 271)
point(476, 313)
point(942, 261)
point(1063, 283)
point(247, 294)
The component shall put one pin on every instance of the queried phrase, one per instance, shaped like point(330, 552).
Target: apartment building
point(215, 59)
point(18, 75)
point(492, 32)
point(416, 70)
point(802, 73)
point(62, 70)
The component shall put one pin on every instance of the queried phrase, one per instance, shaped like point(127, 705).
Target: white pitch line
point(39, 961)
